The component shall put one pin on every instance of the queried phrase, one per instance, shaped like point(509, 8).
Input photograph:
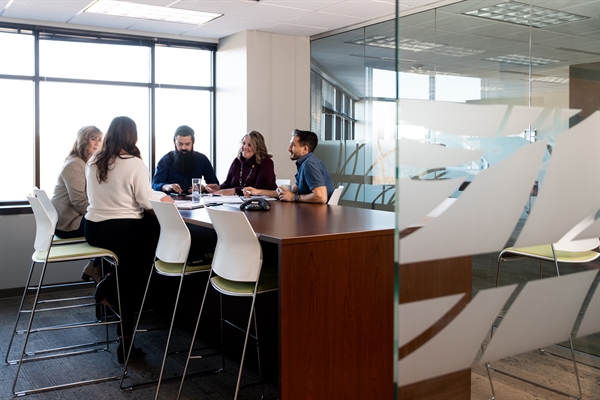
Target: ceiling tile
point(294, 30)
point(362, 9)
point(268, 12)
point(323, 20)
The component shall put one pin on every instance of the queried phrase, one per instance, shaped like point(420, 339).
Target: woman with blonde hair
point(253, 167)
point(70, 197)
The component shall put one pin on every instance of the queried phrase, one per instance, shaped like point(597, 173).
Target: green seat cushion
point(76, 251)
point(545, 252)
point(172, 269)
point(267, 282)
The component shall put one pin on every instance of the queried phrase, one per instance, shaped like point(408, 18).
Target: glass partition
point(490, 140)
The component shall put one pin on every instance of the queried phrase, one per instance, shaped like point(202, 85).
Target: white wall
point(17, 233)
point(273, 96)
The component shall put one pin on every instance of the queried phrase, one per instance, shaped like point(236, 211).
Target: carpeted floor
point(94, 365)
point(545, 368)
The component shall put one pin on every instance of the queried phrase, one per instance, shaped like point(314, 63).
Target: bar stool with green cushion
point(566, 251)
point(46, 253)
point(49, 207)
point(171, 260)
point(236, 271)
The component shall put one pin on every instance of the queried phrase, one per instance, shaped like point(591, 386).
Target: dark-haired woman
point(118, 188)
point(253, 167)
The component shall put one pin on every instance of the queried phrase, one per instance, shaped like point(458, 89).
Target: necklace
point(241, 173)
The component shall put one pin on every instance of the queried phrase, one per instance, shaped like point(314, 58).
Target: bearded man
point(176, 169)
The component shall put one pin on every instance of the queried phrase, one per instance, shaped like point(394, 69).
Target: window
point(88, 79)
point(332, 111)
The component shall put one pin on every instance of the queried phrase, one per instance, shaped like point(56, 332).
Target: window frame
point(74, 35)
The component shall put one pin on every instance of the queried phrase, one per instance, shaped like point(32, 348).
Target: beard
point(183, 161)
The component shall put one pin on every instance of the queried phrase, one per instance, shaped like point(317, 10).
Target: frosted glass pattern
point(417, 316)
point(591, 320)
point(454, 348)
point(572, 182)
point(419, 198)
point(487, 211)
point(542, 314)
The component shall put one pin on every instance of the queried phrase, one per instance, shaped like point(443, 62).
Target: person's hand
point(212, 188)
point(172, 187)
point(167, 199)
point(249, 191)
point(284, 194)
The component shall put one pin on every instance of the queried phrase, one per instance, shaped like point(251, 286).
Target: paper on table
point(223, 199)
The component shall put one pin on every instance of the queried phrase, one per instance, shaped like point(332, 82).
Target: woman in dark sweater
point(253, 167)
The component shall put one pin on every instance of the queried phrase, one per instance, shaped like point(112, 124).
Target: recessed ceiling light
point(415, 45)
point(523, 60)
point(524, 14)
point(167, 14)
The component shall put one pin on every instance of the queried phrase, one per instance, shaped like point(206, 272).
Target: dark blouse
point(259, 176)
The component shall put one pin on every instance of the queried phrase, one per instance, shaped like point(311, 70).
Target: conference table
point(336, 295)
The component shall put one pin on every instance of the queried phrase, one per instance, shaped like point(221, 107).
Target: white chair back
point(174, 241)
point(578, 245)
point(44, 226)
point(238, 256)
point(335, 196)
point(46, 203)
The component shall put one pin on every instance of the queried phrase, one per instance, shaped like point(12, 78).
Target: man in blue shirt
point(176, 169)
point(313, 183)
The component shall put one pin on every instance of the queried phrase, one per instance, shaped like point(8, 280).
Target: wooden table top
point(287, 223)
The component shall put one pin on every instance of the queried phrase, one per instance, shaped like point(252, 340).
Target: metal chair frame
point(48, 252)
point(512, 254)
point(248, 244)
point(173, 248)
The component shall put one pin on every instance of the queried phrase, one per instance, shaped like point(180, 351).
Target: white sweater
point(124, 194)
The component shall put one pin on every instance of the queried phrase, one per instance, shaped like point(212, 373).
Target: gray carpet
point(542, 367)
point(104, 363)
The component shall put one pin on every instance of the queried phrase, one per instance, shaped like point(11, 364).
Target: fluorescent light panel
point(524, 14)
point(143, 11)
point(523, 60)
point(415, 45)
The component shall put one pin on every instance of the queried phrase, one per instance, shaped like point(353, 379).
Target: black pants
point(134, 242)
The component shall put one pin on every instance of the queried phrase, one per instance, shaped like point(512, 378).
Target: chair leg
point(262, 385)
point(487, 367)
point(237, 386)
point(498, 270)
point(187, 361)
point(19, 316)
point(135, 331)
point(164, 361)
point(29, 324)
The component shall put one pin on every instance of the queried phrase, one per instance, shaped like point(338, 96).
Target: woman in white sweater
point(118, 188)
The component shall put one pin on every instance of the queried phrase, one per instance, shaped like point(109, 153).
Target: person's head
point(183, 159)
point(184, 139)
point(253, 143)
point(302, 143)
point(89, 139)
point(121, 138)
